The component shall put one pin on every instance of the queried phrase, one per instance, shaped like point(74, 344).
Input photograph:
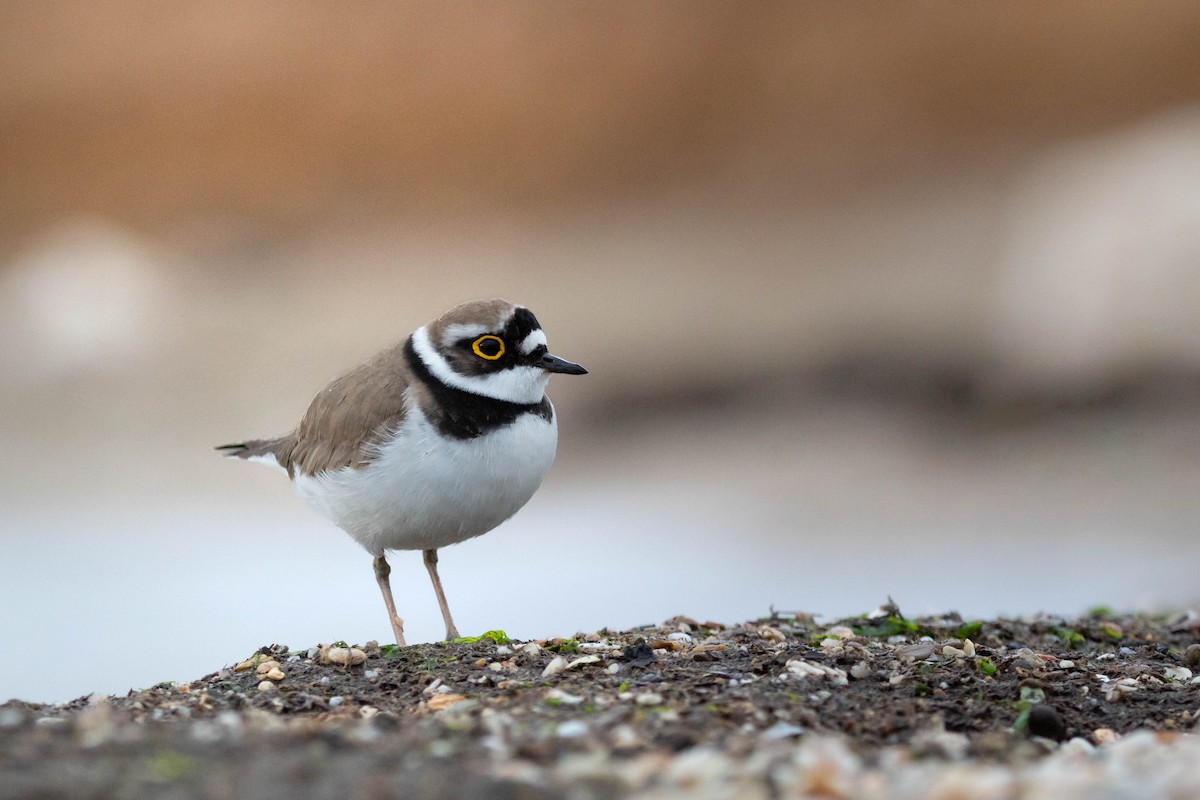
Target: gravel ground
point(881, 706)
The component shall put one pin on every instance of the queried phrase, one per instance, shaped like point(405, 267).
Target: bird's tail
point(254, 450)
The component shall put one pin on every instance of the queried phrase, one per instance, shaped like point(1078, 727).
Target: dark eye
point(488, 347)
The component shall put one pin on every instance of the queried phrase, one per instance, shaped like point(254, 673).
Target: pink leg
point(382, 571)
point(431, 560)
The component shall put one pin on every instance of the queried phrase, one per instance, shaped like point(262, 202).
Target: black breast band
point(463, 415)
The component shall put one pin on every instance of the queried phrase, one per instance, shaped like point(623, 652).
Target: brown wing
point(350, 415)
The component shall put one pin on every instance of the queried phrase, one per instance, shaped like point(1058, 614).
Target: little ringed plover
point(431, 442)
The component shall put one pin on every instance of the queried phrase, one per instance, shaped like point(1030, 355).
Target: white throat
point(525, 385)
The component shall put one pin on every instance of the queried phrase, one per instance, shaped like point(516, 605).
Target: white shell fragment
point(1177, 673)
point(583, 661)
point(557, 665)
point(803, 670)
point(1113, 690)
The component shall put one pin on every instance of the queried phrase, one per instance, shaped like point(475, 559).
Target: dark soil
point(467, 720)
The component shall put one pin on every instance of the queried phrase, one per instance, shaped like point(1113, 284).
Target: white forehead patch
point(532, 342)
point(525, 385)
point(454, 333)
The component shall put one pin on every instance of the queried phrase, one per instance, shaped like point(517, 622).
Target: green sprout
point(889, 626)
point(497, 636)
point(1070, 637)
point(969, 630)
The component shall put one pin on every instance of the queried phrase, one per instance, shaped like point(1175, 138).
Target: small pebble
point(346, 656)
point(860, 670)
point(625, 737)
point(1077, 746)
point(1045, 721)
point(266, 686)
point(335, 701)
point(782, 730)
point(442, 701)
point(945, 744)
point(275, 674)
point(572, 729)
point(371, 674)
point(566, 698)
point(613, 669)
point(1066, 664)
point(1103, 736)
point(496, 666)
point(917, 651)
point(504, 650)
point(649, 699)
point(1027, 659)
point(266, 666)
point(1191, 656)
point(771, 634)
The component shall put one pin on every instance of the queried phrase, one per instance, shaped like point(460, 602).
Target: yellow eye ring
point(476, 346)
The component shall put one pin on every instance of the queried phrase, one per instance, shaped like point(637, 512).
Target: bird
point(433, 441)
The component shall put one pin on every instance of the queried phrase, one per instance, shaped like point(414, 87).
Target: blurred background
point(877, 299)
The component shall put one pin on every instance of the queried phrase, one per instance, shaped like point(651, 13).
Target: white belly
point(425, 491)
